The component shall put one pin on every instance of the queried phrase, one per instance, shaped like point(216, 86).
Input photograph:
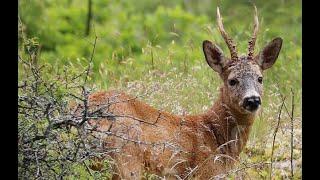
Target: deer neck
point(229, 127)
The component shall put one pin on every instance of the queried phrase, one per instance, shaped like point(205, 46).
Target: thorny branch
point(51, 137)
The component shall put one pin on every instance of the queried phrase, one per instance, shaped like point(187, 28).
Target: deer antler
point(231, 45)
point(254, 35)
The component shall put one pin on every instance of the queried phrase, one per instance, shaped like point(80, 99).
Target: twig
point(38, 166)
point(282, 97)
point(275, 134)
point(86, 108)
point(85, 164)
point(91, 59)
point(192, 170)
point(292, 110)
point(128, 139)
point(76, 97)
point(65, 122)
point(122, 116)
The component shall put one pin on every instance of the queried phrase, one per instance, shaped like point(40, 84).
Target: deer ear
point(214, 56)
point(269, 54)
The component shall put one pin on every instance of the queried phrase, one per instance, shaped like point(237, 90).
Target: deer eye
point(233, 82)
point(260, 79)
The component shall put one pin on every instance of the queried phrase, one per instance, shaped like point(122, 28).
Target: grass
point(146, 46)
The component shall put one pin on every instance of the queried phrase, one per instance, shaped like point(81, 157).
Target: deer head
point(242, 76)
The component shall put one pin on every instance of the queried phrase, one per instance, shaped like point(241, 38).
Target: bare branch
point(274, 136)
point(91, 59)
point(291, 153)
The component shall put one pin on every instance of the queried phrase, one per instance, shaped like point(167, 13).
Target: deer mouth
point(252, 108)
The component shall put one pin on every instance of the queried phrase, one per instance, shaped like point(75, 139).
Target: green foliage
point(145, 44)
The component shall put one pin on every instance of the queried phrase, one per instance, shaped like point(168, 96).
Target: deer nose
point(251, 103)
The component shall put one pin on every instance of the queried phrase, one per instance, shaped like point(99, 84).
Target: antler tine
point(254, 35)
point(231, 45)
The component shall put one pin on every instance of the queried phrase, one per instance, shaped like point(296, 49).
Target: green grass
point(148, 45)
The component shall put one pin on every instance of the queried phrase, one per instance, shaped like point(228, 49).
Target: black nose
point(251, 103)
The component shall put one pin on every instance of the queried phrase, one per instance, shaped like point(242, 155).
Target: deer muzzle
point(251, 103)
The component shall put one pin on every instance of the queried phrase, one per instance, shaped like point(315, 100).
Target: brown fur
point(192, 140)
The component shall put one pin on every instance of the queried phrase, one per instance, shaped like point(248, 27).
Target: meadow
point(154, 49)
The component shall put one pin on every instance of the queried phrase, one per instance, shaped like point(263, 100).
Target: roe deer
point(147, 140)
